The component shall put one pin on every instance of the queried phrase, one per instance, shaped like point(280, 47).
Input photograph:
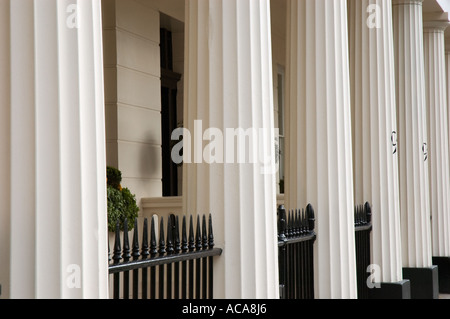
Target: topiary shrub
point(114, 177)
point(121, 202)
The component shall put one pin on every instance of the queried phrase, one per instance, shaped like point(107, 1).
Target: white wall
point(133, 94)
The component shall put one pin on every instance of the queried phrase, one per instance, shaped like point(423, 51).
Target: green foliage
point(114, 177)
point(121, 202)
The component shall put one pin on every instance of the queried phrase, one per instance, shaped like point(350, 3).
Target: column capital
point(433, 22)
point(406, 2)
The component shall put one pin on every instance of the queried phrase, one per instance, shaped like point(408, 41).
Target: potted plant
point(121, 202)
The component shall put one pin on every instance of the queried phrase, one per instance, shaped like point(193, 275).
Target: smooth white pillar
point(228, 85)
point(375, 129)
point(319, 142)
point(436, 97)
point(412, 133)
point(53, 150)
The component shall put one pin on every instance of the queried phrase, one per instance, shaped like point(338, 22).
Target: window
point(281, 128)
point(169, 91)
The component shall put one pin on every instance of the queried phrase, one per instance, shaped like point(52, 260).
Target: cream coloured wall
point(132, 91)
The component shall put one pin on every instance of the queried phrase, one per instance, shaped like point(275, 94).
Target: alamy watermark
point(234, 146)
point(374, 279)
point(72, 12)
point(73, 279)
point(374, 19)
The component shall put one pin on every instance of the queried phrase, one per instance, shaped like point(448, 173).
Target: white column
point(54, 183)
point(319, 145)
point(436, 97)
point(228, 87)
point(447, 81)
point(412, 133)
point(375, 129)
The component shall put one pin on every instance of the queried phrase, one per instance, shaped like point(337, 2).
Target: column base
point(392, 290)
point(443, 264)
point(424, 282)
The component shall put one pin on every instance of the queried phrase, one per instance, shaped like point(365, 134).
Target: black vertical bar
point(126, 257)
point(170, 251)
point(177, 251)
point(311, 269)
point(136, 254)
point(162, 252)
point(145, 253)
point(116, 258)
point(184, 249)
point(191, 262)
point(295, 247)
point(198, 247)
point(302, 256)
point(210, 246)
point(293, 256)
point(310, 215)
point(282, 250)
point(153, 253)
point(204, 261)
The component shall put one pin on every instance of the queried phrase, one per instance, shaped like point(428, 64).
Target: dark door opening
point(169, 84)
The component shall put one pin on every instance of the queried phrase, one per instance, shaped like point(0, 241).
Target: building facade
point(324, 102)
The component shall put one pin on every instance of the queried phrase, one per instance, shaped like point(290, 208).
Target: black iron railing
point(296, 238)
point(174, 268)
point(363, 228)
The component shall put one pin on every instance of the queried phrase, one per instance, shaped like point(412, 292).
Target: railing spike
point(117, 247)
point(288, 225)
point(184, 241)
point(145, 248)
point(204, 234)
point(136, 252)
point(162, 244)
point(169, 236)
point(191, 235)
point(177, 236)
point(211, 234)
point(302, 222)
point(126, 244)
point(281, 223)
point(311, 217)
point(198, 235)
point(153, 244)
point(368, 210)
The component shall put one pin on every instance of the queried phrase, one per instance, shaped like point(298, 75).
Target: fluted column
point(437, 116)
point(412, 133)
point(229, 89)
point(436, 97)
point(319, 142)
point(413, 148)
point(375, 129)
point(447, 80)
point(53, 150)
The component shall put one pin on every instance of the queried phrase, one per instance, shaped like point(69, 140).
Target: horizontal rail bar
point(363, 228)
point(288, 241)
point(145, 263)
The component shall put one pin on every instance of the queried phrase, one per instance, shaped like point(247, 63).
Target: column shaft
point(319, 143)
point(229, 87)
point(375, 129)
point(436, 97)
point(52, 98)
point(412, 133)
